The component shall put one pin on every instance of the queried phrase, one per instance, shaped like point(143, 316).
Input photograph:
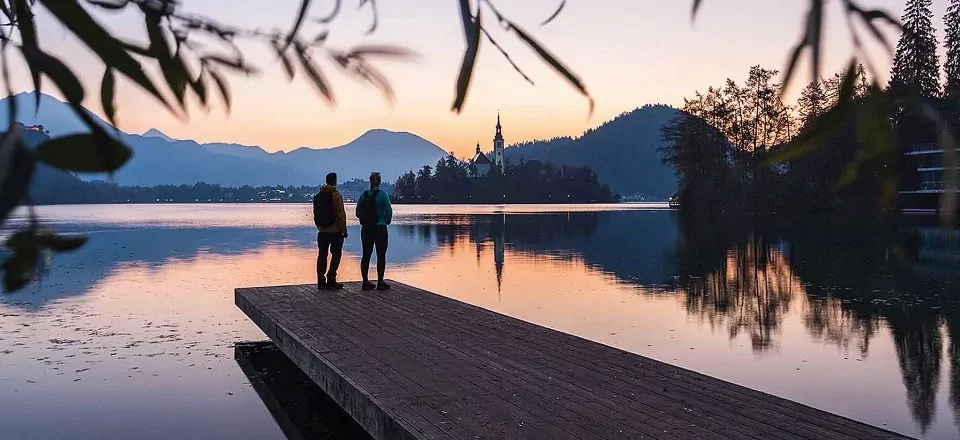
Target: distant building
point(481, 163)
point(925, 181)
point(32, 127)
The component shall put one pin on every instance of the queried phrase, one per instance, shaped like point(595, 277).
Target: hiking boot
point(367, 286)
point(333, 285)
point(382, 286)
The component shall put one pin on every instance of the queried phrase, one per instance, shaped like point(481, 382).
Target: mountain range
point(623, 152)
point(159, 159)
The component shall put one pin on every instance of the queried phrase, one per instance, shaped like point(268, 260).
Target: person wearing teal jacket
point(375, 213)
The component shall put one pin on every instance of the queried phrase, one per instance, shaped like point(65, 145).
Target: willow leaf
point(471, 30)
point(552, 60)
point(109, 49)
point(107, 92)
point(84, 153)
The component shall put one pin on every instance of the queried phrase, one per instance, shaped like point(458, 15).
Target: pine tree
point(916, 68)
point(813, 102)
point(915, 73)
point(952, 42)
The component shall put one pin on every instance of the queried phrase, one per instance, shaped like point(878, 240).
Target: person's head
point(375, 180)
point(332, 179)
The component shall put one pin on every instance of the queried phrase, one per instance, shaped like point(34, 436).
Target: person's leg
point(382, 241)
point(322, 246)
point(367, 242)
point(336, 252)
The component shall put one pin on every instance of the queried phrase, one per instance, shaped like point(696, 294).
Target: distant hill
point(153, 132)
point(622, 151)
point(161, 160)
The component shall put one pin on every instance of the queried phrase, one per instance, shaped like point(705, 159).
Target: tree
point(700, 156)
point(813, 101)
point(720, 147)
point(424, 183)
point(405, 190)
point(916, 71)
point(951, 65)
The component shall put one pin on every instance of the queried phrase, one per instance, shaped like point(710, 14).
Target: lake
point(133, 336)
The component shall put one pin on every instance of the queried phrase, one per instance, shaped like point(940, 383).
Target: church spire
point(498, 145)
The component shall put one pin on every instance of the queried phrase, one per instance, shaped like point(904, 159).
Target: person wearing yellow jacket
point(331, 220)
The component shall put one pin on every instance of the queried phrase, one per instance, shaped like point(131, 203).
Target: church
point(481, 164)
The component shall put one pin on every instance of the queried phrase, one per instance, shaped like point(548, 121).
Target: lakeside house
point(925, 176)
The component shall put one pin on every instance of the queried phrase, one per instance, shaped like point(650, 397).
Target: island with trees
point(456, 181)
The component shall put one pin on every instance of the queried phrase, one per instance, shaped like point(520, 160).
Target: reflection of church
point(497, 236)
point(481, 164)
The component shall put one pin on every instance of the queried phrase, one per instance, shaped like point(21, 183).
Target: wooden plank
point(410, 364)
point(720, 393)
point(749, 417)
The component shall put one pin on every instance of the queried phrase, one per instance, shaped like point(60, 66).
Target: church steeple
point(498, 145)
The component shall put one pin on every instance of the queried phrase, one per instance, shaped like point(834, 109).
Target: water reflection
point(848, 278)
point(302, 410)
point(846, 282)
point(860, 319)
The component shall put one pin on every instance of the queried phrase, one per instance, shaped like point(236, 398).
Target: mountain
point(237, 150)
point(159, 159)
point(153, 132)
point(622, 151)
point(388, 152)
point(56, 116)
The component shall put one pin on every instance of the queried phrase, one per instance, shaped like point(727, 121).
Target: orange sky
point(629, 53)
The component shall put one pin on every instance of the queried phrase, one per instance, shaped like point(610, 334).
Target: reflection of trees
point(549, 233)
point(829, 320)
point(750, 290)
point(953, 332)
point(516, 229)
point(848, 279)
point(870, 267)
point(919, 344)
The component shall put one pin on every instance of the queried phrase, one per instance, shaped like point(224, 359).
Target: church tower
point(498, 146)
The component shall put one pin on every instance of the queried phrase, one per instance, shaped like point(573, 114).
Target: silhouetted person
point(375, 213)
point(331, 221)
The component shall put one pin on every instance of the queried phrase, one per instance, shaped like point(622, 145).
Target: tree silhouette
point(915, 72)
point(951, 65)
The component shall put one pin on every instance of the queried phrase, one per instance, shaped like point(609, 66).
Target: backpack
point(323, 215)
point(367, 209)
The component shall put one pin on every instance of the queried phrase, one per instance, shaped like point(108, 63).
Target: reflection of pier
point(412, 364)
point(302, 410)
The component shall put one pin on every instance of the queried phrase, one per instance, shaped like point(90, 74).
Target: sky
point(628, 52)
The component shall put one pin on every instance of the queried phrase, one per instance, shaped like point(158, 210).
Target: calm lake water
point(133, 336)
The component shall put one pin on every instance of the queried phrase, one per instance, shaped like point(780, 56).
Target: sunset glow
point(629, 53)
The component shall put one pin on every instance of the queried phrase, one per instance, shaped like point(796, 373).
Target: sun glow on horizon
point(628, 52)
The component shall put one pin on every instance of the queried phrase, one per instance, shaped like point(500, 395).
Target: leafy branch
point(473, 28)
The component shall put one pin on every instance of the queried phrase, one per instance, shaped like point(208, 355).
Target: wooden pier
point(410, 364)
